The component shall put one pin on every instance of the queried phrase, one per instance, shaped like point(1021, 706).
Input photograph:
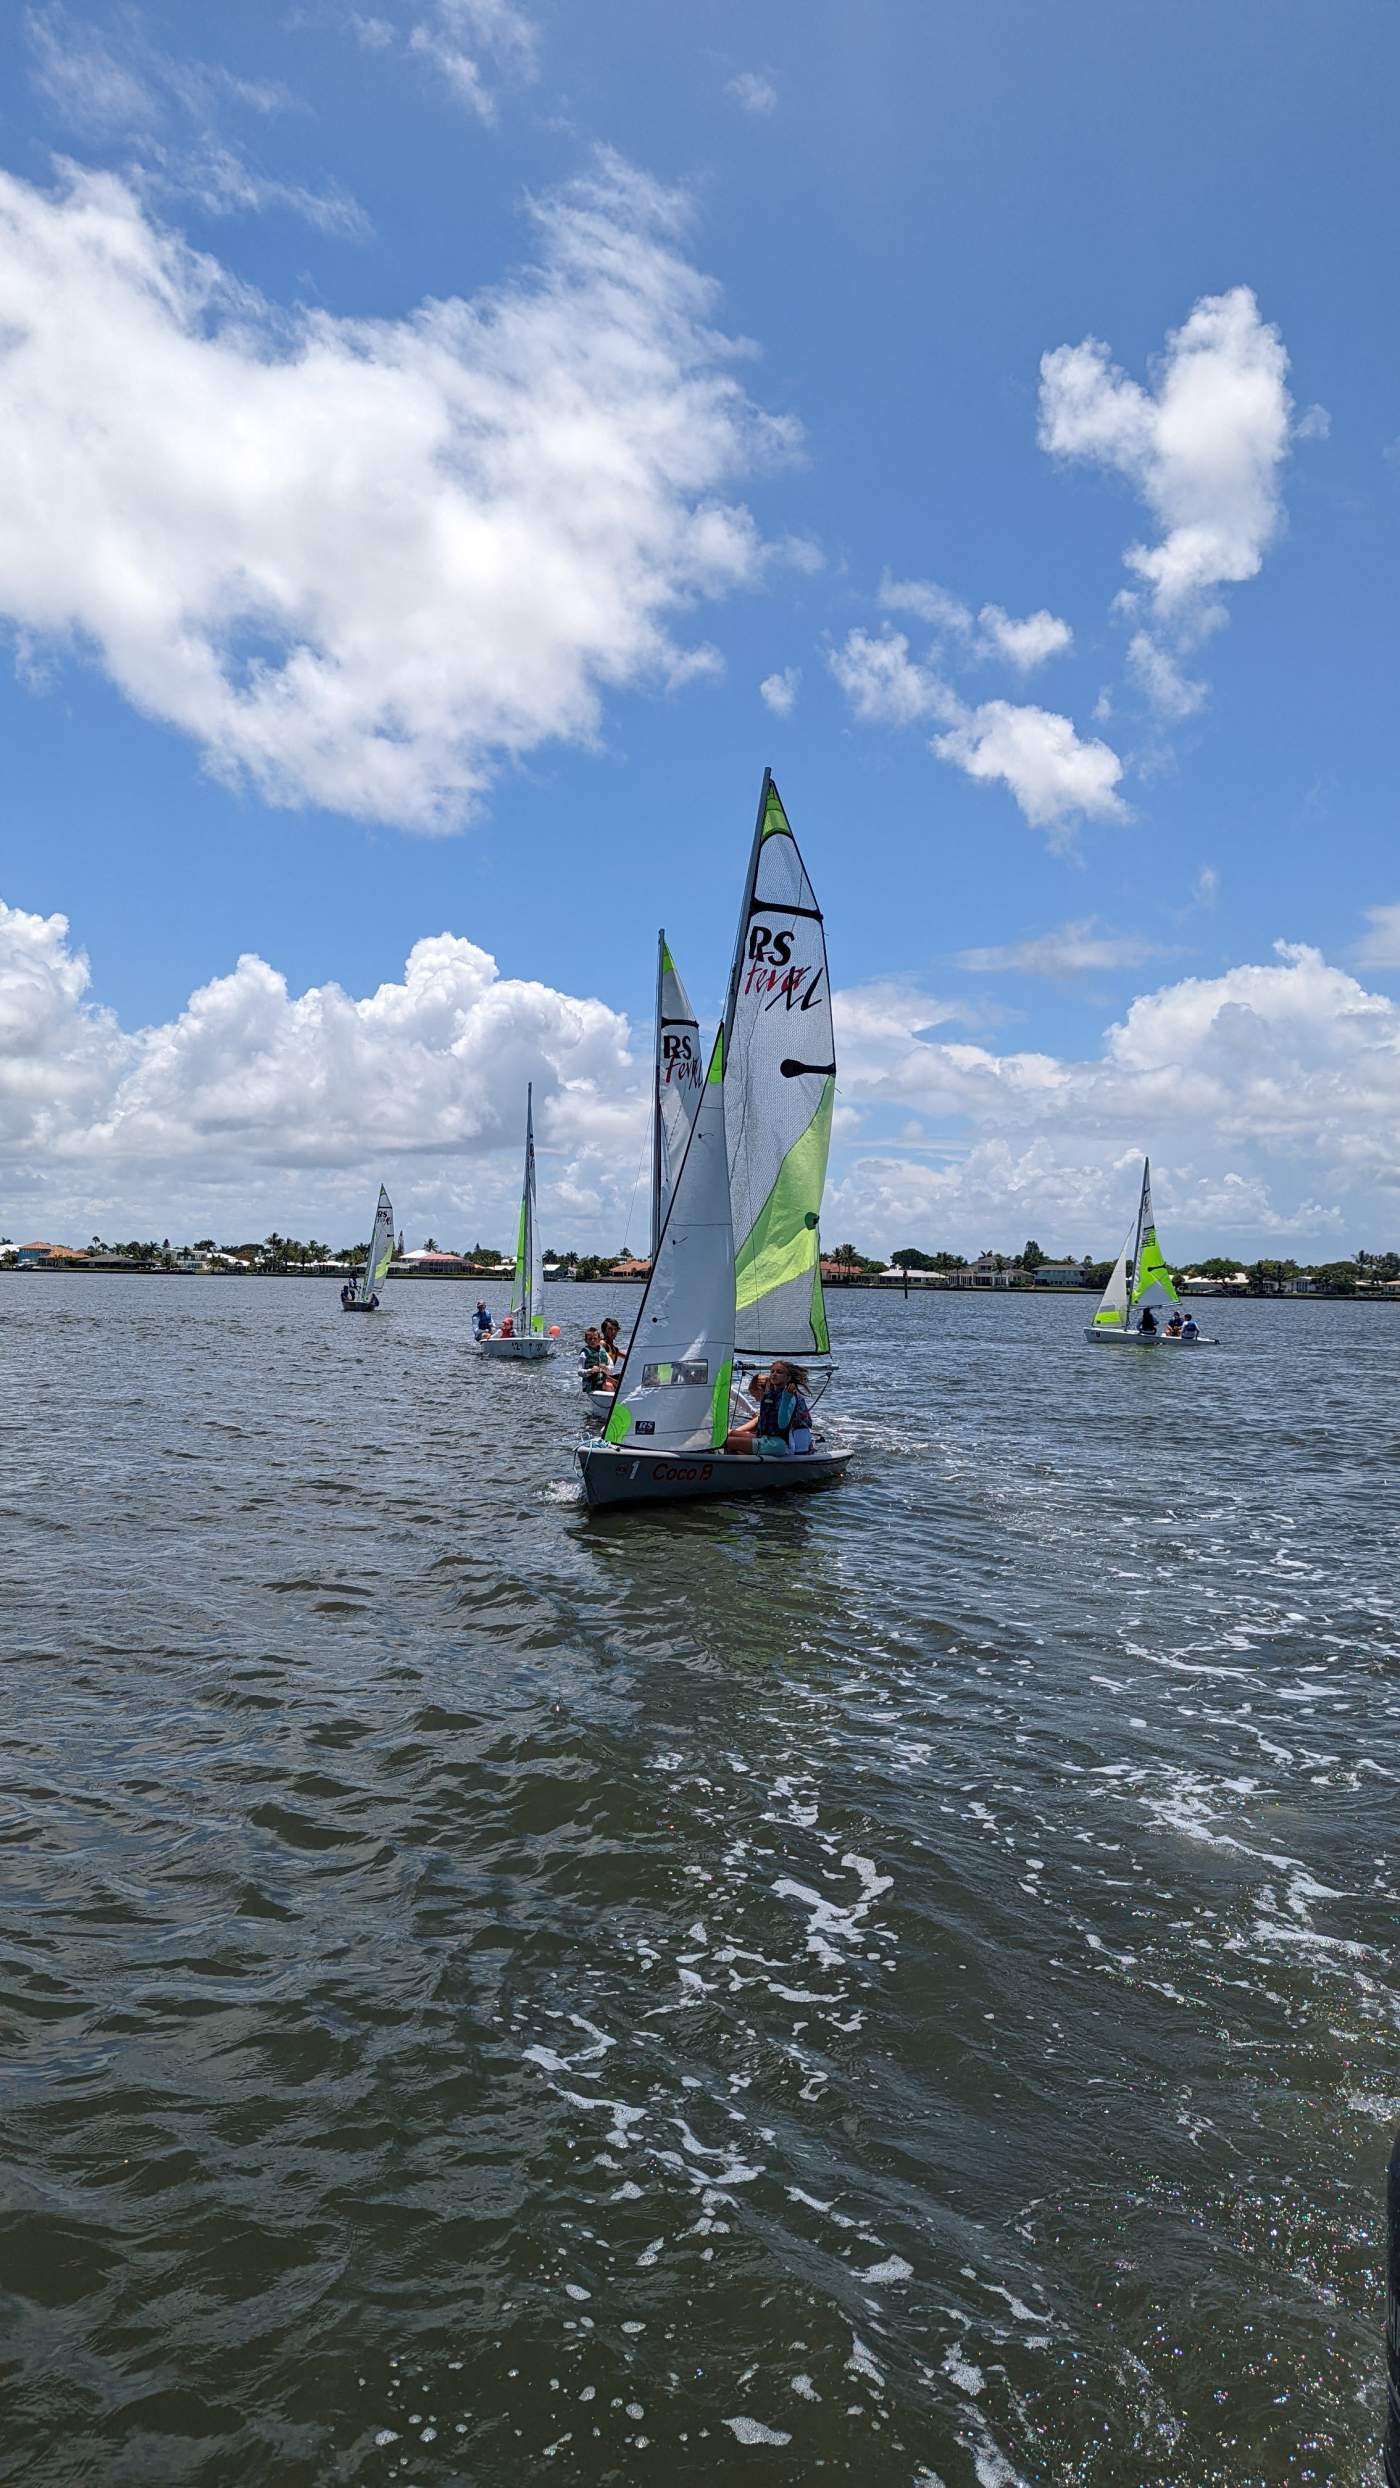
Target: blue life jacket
point(780, 1411)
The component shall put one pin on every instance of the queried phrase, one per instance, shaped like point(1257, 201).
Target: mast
point(741, 937)
point(1137, 1245)
point(656, 1101)
point(527, 1293)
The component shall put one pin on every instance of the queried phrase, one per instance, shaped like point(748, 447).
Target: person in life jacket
point(784, 1426)
point(481, 1320)
point(1149, 1320)
point(508, 1328)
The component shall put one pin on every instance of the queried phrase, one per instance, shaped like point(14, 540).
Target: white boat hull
point(615, 1474)
point(1145, 1339)
point(601, 1402)
point(521, 1351)
point(362, 1308)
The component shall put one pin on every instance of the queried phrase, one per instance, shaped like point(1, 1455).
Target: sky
point(448, 448)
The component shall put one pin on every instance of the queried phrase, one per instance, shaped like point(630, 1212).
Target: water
point(889, 1985)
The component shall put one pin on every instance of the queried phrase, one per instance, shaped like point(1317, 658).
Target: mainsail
point(527, 1284)
point(381, 1251)
point(1152, 1280)
point(781, 1089)
point(678, 1082)
point(674, 1386)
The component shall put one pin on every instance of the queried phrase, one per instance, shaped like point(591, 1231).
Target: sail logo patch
point(772, 975)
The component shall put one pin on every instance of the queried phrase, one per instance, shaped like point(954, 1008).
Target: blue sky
point(762, 354)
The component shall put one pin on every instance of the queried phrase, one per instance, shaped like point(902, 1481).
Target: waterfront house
point(982, 1272)
point(1064, 1273)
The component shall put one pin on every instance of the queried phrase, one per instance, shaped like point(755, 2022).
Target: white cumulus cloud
point(253, 1096)
point(754, 93)
point(885, 685)
point(1027, 643)
point(1267, 1096)
point(1205, 448)
point(779, 691)
point(1056, 777)
point(1074, 949)
point(1380, 947)
point(364, 562)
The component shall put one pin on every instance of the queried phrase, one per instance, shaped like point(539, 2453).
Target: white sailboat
point(677, 1085)
point(1140, 1280)
point(362, 1296)
point(736, 1280)
point(527, 1340)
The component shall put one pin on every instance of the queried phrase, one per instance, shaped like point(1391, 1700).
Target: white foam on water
point(805, 2389)
point(966, 2377)
point(894, 2268)
point(753, 2432)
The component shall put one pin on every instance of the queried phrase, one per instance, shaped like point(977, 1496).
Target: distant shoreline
point(561, 1278)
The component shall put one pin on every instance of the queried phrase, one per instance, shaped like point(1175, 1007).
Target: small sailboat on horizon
point(361, 1295)
point(1139, 1283)
point(526, 1339)
point(735, 1284)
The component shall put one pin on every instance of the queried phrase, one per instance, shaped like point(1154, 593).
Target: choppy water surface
point(891, 1984)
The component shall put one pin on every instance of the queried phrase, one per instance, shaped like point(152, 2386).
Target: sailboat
point(736, 1278)
point(528, 1340)
point(677, 1084)
point(363, 1295)
point(1140, 1278)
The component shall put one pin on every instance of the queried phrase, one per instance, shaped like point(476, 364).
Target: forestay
point(673, 1394)
point(780, 1092)
point(679, 1080)
point(527, 1283)
point(381, 1251)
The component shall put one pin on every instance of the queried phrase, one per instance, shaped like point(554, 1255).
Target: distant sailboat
point(527, 1339)
point(736, 1279)
point(1140, 1281)
point(363, 1295)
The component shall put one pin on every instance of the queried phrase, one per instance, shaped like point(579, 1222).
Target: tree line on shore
point(288, 1254)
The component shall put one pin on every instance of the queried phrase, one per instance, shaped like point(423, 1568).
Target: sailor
point(345, 1294)
point(1190, 1328)
point(481, 1320)
point(783, 1428)
point(1174, 1326)
point(608, 1333)
point(1149, 1319)
point(593, 1364)
point(508, 1327)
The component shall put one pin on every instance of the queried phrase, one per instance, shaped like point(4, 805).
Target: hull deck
point(522, 1351)
point(614, 1475)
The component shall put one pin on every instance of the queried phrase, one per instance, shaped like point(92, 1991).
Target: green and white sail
point(1113, 1303)
point(1140, 1275)
point(527, 1282)
point(381, 1251)
point(678, 1081)
point(673, 1392)
point(1152, 1280)
point(780, 1094)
